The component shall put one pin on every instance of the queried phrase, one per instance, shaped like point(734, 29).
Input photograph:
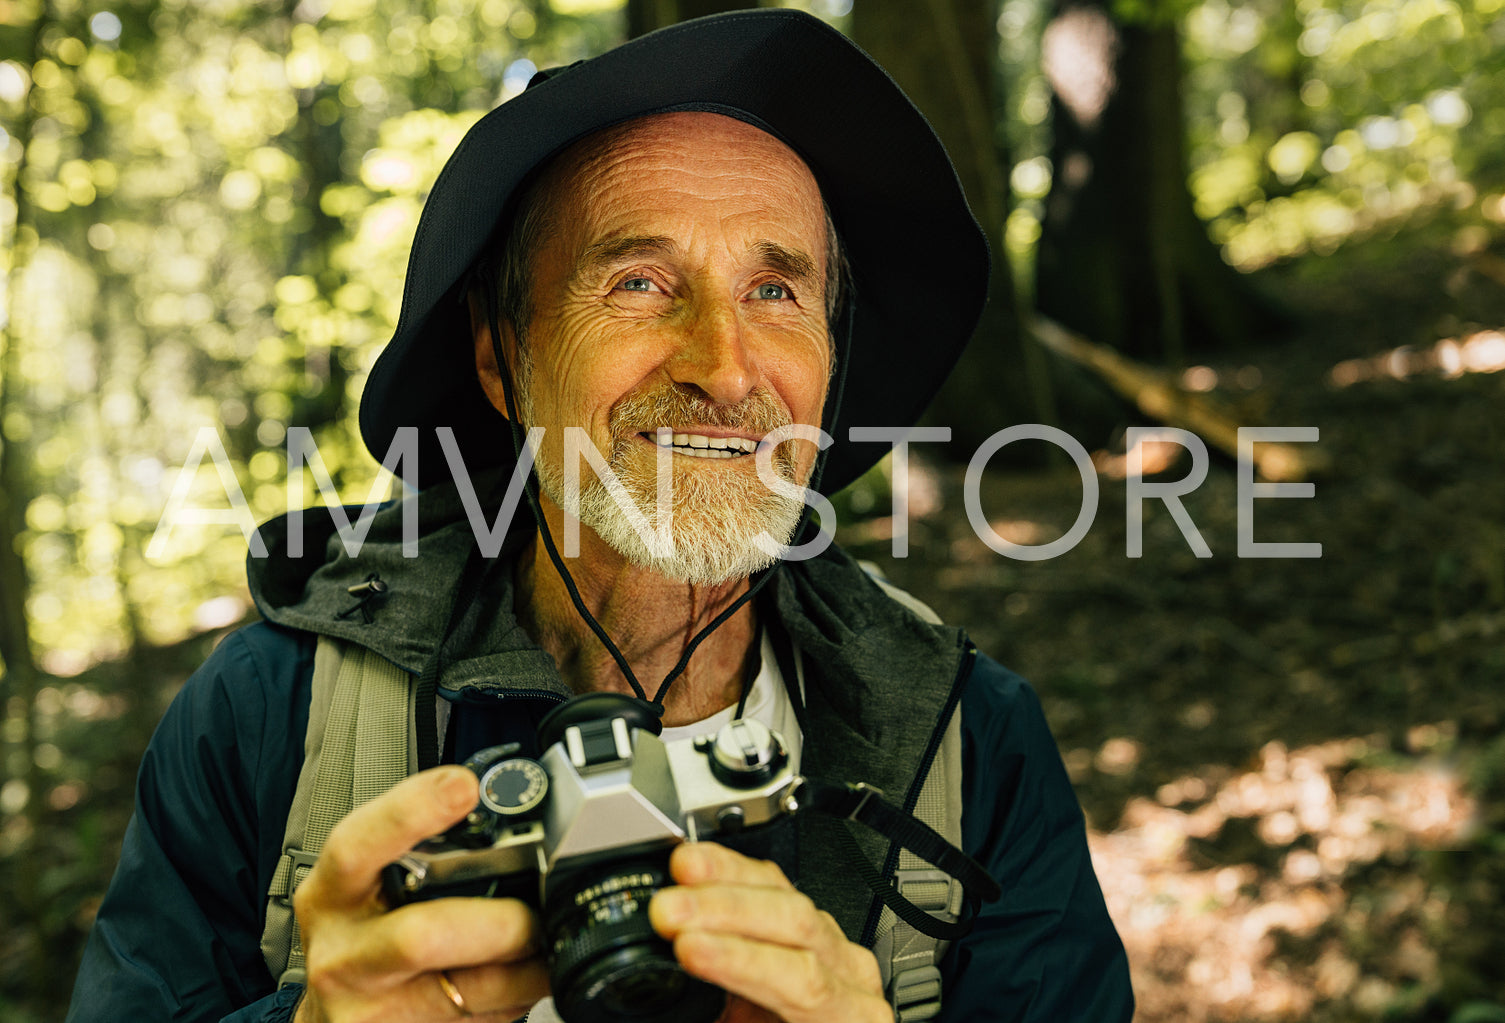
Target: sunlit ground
point(1293, 770)
point(1479, 352)
point(1204, 937)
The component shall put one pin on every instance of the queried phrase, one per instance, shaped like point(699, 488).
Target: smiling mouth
point(698, 445)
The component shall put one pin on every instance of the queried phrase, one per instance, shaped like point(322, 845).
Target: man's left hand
point(739, 923)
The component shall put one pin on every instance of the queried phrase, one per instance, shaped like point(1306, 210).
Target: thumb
point(377, 832)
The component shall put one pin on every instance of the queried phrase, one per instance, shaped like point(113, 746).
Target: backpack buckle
point(292, 869)
point(928, 889)
point(915, 994)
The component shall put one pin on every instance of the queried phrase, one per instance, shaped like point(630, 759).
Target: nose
point(714, 356)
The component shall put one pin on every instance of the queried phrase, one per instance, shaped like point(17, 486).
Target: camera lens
point(609, 965)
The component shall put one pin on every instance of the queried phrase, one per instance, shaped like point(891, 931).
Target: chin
point(716, 519)
point(690, 565)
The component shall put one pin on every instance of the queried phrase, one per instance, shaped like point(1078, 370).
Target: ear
point(485, 353)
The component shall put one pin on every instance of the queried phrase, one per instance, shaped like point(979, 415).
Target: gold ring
point(453, 993)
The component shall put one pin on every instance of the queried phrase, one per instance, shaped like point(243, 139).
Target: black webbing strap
point(866, 805)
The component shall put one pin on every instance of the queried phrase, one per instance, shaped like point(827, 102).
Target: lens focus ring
point(583, 946)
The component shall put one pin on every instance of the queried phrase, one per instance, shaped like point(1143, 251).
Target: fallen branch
point(1157, 393)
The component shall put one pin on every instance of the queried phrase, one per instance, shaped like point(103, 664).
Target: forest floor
point(1293, 769)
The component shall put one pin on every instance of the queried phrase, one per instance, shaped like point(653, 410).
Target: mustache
point(756, 415)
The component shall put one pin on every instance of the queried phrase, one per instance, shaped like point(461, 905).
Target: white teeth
point(700, 444)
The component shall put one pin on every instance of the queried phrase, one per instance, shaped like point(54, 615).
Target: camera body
point(584, 833)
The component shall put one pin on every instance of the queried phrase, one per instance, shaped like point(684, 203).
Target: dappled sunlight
point(879, 492)
point(1076, 53)
point(1155, 456)
point(1480, 352)
point(1023, 532)
point(79, 703)
point(1208, 879)
point(220, 612)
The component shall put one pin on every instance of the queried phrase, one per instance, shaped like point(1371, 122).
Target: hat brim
point(919, 261)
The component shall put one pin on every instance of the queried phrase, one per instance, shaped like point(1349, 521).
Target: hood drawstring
point(367, 593)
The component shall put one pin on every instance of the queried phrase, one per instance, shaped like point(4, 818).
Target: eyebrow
point(616, 250)
point(791, 263)
point(788, 262)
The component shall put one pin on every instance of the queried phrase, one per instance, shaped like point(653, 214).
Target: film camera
point(583, 834)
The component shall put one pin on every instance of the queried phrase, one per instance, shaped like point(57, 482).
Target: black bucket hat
point(918, 259)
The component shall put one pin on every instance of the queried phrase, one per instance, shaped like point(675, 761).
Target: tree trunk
point(643, 16)
point(943, 54)
point(1123, 258)
point(20, 669)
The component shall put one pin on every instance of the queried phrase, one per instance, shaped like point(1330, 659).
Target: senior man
point(651, 261)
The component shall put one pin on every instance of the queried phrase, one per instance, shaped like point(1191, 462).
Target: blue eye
point(636, 284)
point(772, 292)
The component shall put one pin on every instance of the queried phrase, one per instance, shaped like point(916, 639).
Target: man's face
point(680, 284)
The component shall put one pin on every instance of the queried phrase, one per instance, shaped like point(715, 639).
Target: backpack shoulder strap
point(360, 713)
point(910, 960)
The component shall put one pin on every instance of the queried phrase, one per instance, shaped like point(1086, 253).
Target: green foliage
point(205, 210)
point(1314, 121)
point(221, 196)
point(1308, 121)
point(1150, 13)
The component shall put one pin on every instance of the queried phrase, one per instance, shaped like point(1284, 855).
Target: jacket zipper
point(479, 697)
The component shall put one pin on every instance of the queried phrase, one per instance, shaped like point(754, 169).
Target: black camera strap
point(866, 805)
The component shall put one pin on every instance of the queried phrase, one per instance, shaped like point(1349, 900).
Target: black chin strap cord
point(530, 487)
point(760, 579)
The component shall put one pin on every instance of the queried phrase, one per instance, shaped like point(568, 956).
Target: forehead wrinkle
point(593, 167)
point(596, 163)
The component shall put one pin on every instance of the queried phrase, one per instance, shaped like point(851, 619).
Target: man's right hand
point(366, 964)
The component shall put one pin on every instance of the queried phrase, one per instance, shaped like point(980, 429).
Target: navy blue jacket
point(178, 934)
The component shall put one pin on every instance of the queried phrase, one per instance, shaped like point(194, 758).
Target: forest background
point(1209, 214)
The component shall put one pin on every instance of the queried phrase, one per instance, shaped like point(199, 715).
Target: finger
point(780, 916)
point(452, 933)
point(506, 991)
point(794, 983)
point(376, 833)
point(740, 1010)
point(702, 862)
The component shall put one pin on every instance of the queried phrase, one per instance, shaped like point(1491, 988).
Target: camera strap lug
point(867, 806)
point(864, 793)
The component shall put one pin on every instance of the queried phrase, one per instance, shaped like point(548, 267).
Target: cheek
point(801, 380)
point(591, 368)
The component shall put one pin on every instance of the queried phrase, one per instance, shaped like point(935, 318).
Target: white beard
point(717, 511)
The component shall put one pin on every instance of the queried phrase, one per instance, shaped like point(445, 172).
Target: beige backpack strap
point(360, 713)
point(910, 960)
